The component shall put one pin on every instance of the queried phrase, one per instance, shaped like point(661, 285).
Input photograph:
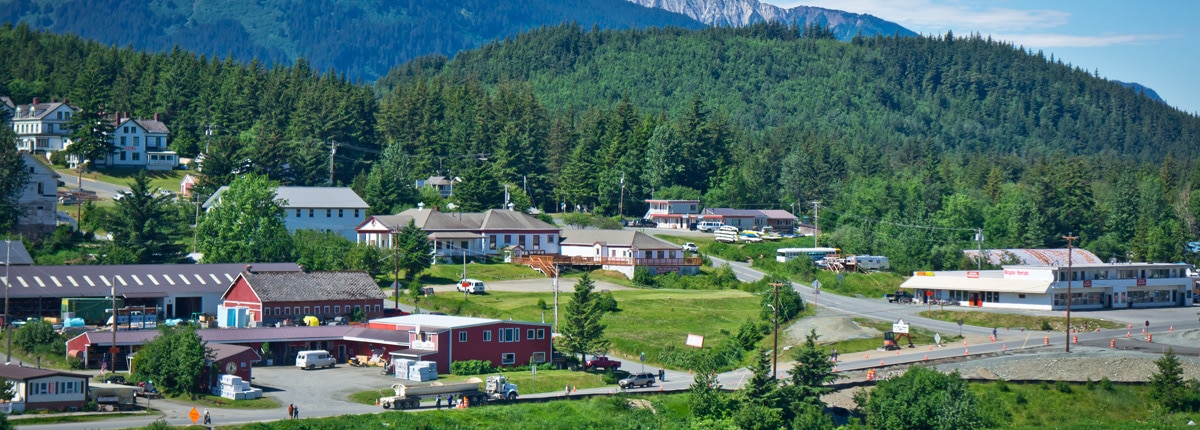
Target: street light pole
point(396, 269)
point(775, 349)
point(1070, 274)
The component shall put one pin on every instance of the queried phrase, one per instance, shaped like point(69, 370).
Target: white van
point(727, 234)
point(313, 359)
point(709, 226)
point(473, 286)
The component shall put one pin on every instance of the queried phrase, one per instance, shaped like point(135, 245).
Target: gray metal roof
point(308, 198)
point(309, 286)
point(94, 281)
point(152, 125)
point(627, 238)
point(20, 257)
point(491, 220)
point(21, 373)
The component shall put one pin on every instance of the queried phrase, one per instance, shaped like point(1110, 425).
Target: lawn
point(38, 419)
point(648, 320)
point(547, 381)
point(442, 274)
point(1028, 322)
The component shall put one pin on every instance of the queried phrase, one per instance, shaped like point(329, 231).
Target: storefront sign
point(972, 275)
point(1087, 283)
point(1141, 282)
point(425, 345)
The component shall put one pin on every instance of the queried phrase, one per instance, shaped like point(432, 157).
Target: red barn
point(228, 359)
point(445, 339)
point(277, 296)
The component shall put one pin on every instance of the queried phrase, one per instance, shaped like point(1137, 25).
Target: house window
point(357, 307)
point(122, 140)
point(137, 156)
point(326, 310)
point(341, 212)
point(537, 241)
point(137, 141)
point(310, 213)
point(507, 239)
point(529, 334)
point(296, 310)
point(122, 155)
point(377, 309)
point(158, 141)
point(328, 213)
point(492, 242)
point(297, 213)
point(276, 313)
point(1020, 296)
point(356, 213)
point(521, 240)
point(549, 238)
point(508, 358)
point(337, 309)
point(287, 311)
point(538, 357)
point(462, 336)
point(541, 333)
point(306, 312)
point(510, 335)
point(487, 335)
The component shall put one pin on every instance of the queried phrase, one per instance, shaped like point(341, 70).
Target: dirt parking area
point(545, 285)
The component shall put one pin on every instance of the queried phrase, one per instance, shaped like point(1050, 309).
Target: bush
point(1046, 326)
point(1106, 384)
point(541, 303)
point(1062, 387)
point(642, 277)
point(472, 367)
point(39, 337)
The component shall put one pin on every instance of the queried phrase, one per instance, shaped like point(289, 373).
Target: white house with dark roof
point(42, 128)
point(44, 389)
point(335, 209)
point(672, 213)
point(141, 143)
point(443, 185)
point(38, 203)
point(475, 234)
point(625, 251)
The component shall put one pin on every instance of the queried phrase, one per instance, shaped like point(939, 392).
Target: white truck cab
point(314, 359)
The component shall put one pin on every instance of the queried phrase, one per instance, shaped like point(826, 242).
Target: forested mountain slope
point(970, 94)
point(736, 13)
point(360, 38)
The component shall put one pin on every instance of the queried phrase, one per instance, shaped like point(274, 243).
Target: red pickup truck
point(601, 362)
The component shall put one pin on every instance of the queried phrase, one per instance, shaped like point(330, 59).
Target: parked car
point(641, 223)
point(121, 195)
point(709, 226)
point(690, 247)
point(313, 359)
point(68, 199)
point(601, 362)
point(644, 379)
point(473, 286)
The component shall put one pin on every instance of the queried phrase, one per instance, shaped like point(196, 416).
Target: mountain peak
point(737, 13)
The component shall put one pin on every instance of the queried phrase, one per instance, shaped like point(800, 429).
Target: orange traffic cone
point(897, 352)
point(881, 362)
point(834, 371)
point(926, 357)
point(866, 356)
point(1004, 348)
point(1172, 330)
point(965, 352)
point(1127, 335)
point(964, 342)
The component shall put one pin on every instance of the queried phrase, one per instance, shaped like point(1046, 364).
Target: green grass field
point(163, 179)
point(647, 322)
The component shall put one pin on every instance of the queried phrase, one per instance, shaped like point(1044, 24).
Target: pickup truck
point(601, 362)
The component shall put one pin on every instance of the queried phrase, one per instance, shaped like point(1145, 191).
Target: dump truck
point(409, 397)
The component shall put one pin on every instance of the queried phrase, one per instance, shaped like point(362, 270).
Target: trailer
point(409, 397)
point(93, 310)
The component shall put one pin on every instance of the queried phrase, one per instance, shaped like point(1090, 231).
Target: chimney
point(302, 268)
point(247, 268)
point(156, 116)
point(35, 101)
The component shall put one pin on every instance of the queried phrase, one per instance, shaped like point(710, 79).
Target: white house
point(38, 203)
point(625, 251)
point(334, 209)
point(1093, 286)
point(475, 234)
point(44, 389)
point(672, 213)
point(42, 128)
point(444, 185)
point(141, 143)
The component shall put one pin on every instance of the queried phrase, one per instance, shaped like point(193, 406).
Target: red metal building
point(273, 297)
point(445, 339)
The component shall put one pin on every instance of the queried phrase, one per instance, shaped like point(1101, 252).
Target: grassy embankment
point(163, 179)
point(1020, 406)
point(1017, 321)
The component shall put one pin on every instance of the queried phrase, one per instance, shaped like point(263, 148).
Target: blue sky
point(1154, 43)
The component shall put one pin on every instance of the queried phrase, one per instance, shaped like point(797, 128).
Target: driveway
point(535, 285)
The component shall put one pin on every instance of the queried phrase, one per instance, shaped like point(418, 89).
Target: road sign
point(937, 338)
point(194, 415)
point(816, 283)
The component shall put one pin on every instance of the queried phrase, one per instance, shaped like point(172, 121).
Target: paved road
point(103, 189)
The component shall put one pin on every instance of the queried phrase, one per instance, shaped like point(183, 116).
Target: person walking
point(290, 408)
point(567, 391)
point(296, 412)
point(439, 402)
point(207, 418)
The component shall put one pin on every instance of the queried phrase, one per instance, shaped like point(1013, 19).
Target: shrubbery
point(472, 367)
point(38, 337)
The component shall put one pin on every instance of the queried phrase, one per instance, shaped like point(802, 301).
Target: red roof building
point(445, 339)
point(274, 297)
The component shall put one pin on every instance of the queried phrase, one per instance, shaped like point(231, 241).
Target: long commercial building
point(1093, 286)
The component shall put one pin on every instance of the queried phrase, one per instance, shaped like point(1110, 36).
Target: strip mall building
point(1093, 286)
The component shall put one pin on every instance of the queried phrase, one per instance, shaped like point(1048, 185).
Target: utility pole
point(196, 230)
point(112, 351)
point(396, 268)
point(332, 151)
point(775, 349)
point(979, 239)
point(816, 222)
point(555, 266)
point(1070, 240)
point(621, 203)
point(7, 317)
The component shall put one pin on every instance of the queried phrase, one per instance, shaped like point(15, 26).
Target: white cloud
point(1050, 40)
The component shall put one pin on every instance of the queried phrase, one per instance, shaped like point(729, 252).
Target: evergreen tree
point(416, 252)
point(583, 332)
point(479, 190)
point(13, 176)
point(91, 129)
point(389, 185)
point(1166, 383)
point(810, 377)
point(146, 225)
